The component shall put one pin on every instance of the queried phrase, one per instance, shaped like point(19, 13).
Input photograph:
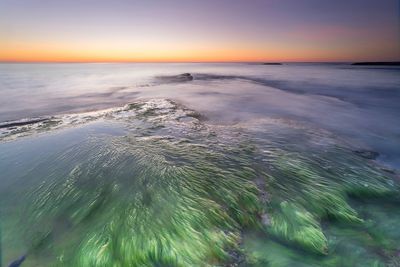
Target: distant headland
point(271, 63)
point(390, 63)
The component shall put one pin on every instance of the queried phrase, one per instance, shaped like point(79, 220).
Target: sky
point(199, 30)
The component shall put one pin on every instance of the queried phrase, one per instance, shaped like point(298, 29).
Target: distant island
point(271, 63)
point(376, 63)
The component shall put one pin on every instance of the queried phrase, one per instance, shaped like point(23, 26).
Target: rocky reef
point(184, 77)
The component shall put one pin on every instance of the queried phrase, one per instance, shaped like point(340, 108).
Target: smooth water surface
point(356, 101)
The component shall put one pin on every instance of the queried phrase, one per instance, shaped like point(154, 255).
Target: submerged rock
point(185, 76)
point(17, 262)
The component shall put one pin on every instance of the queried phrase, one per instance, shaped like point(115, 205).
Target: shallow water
point(247, 165)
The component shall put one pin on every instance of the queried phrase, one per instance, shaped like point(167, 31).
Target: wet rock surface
point(184, 77)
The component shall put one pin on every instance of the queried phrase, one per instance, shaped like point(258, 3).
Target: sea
point(199, 164)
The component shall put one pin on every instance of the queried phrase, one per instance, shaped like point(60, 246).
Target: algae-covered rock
point(170, 190)
point(294, 224)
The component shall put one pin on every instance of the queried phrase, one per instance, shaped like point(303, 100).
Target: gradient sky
point(199, 30)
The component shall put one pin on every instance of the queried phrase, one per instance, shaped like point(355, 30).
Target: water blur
point(182, 164)
point(356, 101)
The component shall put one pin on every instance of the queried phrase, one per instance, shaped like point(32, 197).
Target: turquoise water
point(235, 167)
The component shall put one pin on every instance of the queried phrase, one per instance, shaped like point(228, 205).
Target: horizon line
point(128, 61)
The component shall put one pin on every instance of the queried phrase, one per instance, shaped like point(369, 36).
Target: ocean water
point(358, 102)
point(196, 164)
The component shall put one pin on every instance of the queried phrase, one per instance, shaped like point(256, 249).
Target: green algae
point(344, 251)
point(172, 203)
point(297, 225)
point(173, 191)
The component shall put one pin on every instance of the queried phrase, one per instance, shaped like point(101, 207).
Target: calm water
point(359, 102)
point(246, 164)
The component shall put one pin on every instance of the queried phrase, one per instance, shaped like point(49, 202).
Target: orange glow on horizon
point(52, 54)
point(198, 31)
point(168, 49)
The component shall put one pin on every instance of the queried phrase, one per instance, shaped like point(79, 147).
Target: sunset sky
point(194, 30)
